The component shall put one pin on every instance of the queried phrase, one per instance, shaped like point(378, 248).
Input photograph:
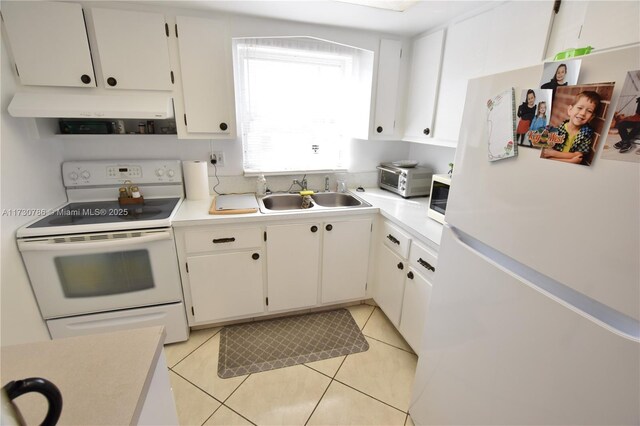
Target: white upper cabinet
point(132, 49)
point(426, 58)
point(384, 124)
point(207, 76)
point(49, 43)
point(600, 24)
point(610, 24)
point(512, 35)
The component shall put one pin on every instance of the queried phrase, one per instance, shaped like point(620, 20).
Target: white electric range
point(97, 265)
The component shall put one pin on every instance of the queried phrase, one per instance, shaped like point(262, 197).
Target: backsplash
point(315, 182)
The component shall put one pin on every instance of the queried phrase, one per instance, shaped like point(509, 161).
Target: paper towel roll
point(196, 180)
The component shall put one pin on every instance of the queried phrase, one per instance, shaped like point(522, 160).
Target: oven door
point(390, 179)
point(89, 273)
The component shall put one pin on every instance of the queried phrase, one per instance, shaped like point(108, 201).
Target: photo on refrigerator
point(623, 138)
point(577, 123)
point(533, 113)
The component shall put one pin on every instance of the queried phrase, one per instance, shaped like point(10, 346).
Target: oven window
point(389, 179)
point(104, 274)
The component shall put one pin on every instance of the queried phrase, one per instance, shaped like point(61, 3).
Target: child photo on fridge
point(577, 121)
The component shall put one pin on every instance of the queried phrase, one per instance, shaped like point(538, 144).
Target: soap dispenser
point(261, 186)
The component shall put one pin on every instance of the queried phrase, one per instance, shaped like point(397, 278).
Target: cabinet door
point(390, 284)
point(345, 260)
point(497, 44)
point(133, 50)
point(463, 59)
point(417, 293)
point(49, 43)
point(207, 76)
point(426, 58)
point(610, 24)
point(293, 258)
point(226, 285)
point(387, 88)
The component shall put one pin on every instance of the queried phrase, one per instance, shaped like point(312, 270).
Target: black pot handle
point(50, 391)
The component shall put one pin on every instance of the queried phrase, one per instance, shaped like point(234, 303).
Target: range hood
point(52, 105)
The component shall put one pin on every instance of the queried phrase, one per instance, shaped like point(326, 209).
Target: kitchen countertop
point(409, 214)
point(103, 378)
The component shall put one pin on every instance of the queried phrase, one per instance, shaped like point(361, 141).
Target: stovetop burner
point(101, 212)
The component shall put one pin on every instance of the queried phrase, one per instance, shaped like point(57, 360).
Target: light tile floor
point(367, 388)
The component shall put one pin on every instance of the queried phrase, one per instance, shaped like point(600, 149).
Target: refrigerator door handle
point(589, 308)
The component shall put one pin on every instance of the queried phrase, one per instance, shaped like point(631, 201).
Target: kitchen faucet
point(326, 184)
point(302, 183)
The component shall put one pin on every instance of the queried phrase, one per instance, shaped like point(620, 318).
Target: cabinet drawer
point(423, 260)
point(396, 239)
point(222, 239)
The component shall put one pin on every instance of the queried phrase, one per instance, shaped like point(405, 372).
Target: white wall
point(30, 179)
point(435, 157)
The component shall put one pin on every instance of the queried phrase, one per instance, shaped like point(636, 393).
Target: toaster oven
point(405, 181)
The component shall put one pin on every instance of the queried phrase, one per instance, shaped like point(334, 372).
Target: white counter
point(410, 214)
point(103, 378)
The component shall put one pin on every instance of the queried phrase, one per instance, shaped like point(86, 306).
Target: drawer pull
point(426, 265)
point(393, 239)
point(223, 240)
point(400, 266)
point(410, 275)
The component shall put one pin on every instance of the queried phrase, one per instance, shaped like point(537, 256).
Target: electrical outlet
point(220, 157)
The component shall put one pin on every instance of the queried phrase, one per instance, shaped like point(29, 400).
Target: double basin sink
point(321, 201)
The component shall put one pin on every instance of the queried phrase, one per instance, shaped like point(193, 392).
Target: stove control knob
point(85, 175)
point(171, 173)
point(73, 176)
point(159, 172)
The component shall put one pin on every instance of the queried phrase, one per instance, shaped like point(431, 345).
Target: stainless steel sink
point(321, 201)
point(336, 199)
point(281, 202)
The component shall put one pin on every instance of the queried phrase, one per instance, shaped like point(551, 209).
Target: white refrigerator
point(535, 309)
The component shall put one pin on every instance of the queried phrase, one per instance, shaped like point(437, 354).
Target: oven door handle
point(50, 245)
point(395, 172)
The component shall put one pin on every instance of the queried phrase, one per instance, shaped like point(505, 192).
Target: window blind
point(297, 101)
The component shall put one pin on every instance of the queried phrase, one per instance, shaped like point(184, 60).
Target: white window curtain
point(298, 99)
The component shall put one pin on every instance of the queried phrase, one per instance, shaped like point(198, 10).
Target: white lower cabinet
point(417, 293)
point(293, 260)
point(236, 271)
point(390, 284)
point(222, 269)
point(226, 285)
point(345, 260)
point(404, 279)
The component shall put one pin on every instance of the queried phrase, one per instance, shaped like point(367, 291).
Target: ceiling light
point(395, 5)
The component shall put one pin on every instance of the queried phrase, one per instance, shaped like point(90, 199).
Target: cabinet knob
point(410, 275)
point(400, 266)
point(255, 256)
point(379, 129)
point(314, 228)
point(112, 81)
point(85, 79)
point(426, 131)
point(223, 126)
point(328, 227)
